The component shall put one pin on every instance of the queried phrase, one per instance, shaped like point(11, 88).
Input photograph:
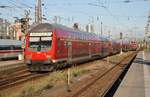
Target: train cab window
point(46, 42)
point(42, 42)
point(34, 42)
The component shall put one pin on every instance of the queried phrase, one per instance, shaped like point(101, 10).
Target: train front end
point(133, 45)
point(39, 48)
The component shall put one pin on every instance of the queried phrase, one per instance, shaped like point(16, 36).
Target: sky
point(116, 15)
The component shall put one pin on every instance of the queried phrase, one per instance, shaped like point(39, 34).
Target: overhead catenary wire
point(20, 4)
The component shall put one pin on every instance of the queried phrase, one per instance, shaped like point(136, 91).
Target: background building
point(10, 31)
point(16, 30)
point(4, 29)
point(147, 33)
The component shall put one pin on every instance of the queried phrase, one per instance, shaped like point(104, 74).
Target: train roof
point(44, 27)
point(10, 42)
point(63, 31)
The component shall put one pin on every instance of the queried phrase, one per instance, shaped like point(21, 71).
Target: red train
point(53, 45)
point(133, 45)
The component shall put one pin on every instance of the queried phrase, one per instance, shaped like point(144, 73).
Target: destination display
point(40, 33)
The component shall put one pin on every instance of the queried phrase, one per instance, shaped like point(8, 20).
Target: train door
point(69, 52)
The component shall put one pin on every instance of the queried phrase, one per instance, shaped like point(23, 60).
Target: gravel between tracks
point(60, 89)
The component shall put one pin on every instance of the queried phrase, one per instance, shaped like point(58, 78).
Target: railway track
point(108, 78)
point(12, 70)
point(18, 77)
point(10, 66)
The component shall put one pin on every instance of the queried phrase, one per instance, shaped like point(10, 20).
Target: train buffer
point(136, 82)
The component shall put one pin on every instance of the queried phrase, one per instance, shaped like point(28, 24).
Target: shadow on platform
point(141, 61)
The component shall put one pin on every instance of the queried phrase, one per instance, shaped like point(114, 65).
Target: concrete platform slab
point(137, 80)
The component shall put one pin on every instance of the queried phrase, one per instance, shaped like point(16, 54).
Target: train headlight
point(28, 57)
point(48, 57)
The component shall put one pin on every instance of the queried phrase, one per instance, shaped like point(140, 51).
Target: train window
point(45, 44)
point(80, 36)
point(34, 42)
point(58, 43)
point(17, 47)
point(7, 47)
point(2, 48)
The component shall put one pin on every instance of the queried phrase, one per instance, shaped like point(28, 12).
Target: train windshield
point(40, 42)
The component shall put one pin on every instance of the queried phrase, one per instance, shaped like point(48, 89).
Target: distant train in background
point(127, 45)
point(133, 45)
point(53, 45)
point(10, 48)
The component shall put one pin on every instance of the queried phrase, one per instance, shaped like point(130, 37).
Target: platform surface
point(136, 82)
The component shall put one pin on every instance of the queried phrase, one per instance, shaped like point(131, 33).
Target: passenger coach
point(10, 48)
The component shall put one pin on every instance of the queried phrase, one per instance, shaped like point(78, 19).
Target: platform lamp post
point(101, 28)
point(110, 46)
point(121, 35)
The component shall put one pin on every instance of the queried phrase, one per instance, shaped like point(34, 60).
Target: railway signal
point(24, 25)
point(25, 22)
